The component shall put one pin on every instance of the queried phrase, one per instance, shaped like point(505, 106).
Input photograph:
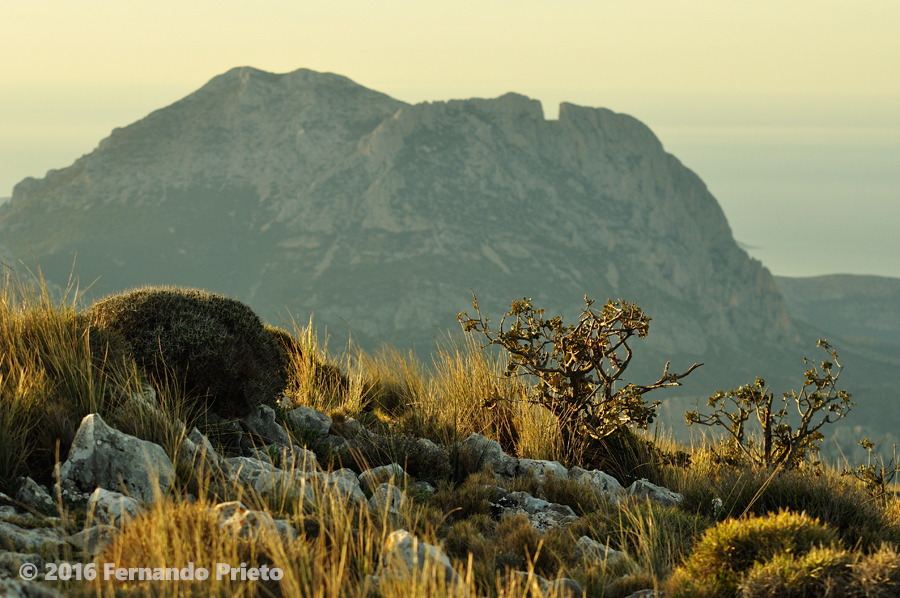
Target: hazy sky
point(789, 110)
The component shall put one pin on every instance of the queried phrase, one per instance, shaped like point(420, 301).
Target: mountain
point(306, 193)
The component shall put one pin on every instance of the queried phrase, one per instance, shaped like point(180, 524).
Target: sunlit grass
point(55, 368)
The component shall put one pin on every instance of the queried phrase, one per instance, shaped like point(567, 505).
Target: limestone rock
point(33, 494)
point(424, 488)
point(113, 507)
point(30, 540)
point(589, 548)
point(541, 469)
point(247, 523)
point(104, 457)
point(94, 539)
point(403, 553)
point(298, 459)
point(489, 453)
point(260, 475)
point(262, 423)
point(543, 515)
point(644, 489)
point(600, 481)
point(345, 484)
point(197, 448)
point(11, 561)
point(309, 418)
point(386, 497)
point(563, 586)
point(15, 588)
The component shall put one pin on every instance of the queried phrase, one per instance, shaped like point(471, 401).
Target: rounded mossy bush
point(215, 346)
point(737, 552)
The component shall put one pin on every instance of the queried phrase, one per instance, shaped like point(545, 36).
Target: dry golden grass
point(54, 369)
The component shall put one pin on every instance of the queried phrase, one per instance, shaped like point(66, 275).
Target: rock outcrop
point(103, 457)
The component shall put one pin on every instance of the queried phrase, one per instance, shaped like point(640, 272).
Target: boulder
point(386, 497)
point(93, 539)
point(541, 514)
point(11, 561)
point(113, 507)
point(260, 475)
point(298, 459)
point(588, 548)
point(541, 469)
point(309, 418)
point(424, 489)
point(104, 457)
point(34, 495)
point(403, 553)
point(19, 539)
point(247, 523)
point(353, 428)
point(197, 448)
point(604, 483)
point(489, 453)
point(644, 489)
point(262, 422)
point(345, 484)
point(371, 478)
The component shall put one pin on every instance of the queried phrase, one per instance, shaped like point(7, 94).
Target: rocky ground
point(115, 477)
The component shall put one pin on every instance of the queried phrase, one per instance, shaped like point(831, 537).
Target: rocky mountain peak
point(305, 192)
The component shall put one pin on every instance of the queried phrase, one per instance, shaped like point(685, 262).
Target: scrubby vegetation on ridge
point(808, 526)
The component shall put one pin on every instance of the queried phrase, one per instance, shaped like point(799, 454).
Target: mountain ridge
point(305, 193)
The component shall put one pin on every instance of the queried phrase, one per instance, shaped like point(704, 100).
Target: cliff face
point(307, 193)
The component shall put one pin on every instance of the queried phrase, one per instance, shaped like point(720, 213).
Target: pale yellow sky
point(764, 99)
point(773, 46)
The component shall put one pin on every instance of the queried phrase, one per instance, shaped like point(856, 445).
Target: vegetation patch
point(217, 347)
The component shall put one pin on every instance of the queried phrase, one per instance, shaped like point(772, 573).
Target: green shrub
point(823, 571)
point(778, 443)
point(726, 553)
point(579, 368)
point(877, 575)
point(841, 505)
point(217, 346)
